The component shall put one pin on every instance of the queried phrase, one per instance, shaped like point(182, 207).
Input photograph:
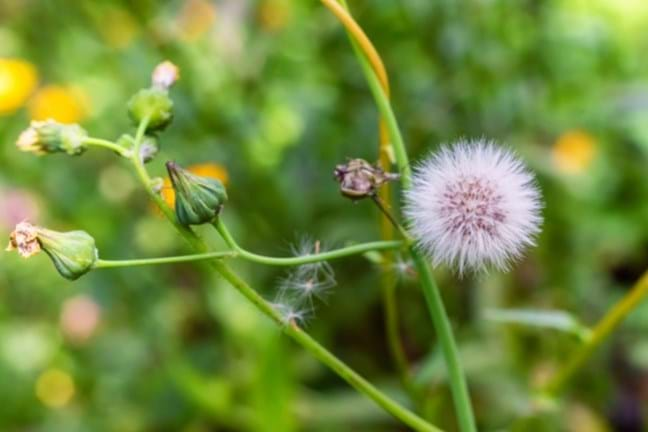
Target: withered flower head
point(73, 253)
point(24, 239)
point(50, 136)
point(165, 75)
point(198, 199)
point(359, 179)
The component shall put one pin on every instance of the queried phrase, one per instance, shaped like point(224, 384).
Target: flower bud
point(165, 75)
point(152, 103)
point(50, 136)
point(198, 199)
point(73, 253)
point(359, 179)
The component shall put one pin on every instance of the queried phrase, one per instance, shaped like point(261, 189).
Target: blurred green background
point(272, 96)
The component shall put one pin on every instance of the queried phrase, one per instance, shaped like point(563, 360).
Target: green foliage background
point(270, 89)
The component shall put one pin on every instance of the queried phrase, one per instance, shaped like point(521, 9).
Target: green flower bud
point(153, 103)
point(198, 199)
point(73, 253)
point(43, 137)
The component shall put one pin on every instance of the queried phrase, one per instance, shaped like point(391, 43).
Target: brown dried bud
point(359, 179)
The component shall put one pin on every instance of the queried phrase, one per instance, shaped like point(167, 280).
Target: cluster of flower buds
point(154, 103)
point(198, 199)
point(359, 179)
point(43, 137)
point(73, 253)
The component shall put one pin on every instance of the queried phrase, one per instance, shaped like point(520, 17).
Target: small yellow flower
point(574, 151)
point(61, 103)
point(18, 79)
point(55, 388)
point(195, 19)
point(210, 170)
point(274, 15)
point(122, 30)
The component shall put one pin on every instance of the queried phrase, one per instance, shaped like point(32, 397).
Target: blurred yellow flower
point(17, 82)
point(274, 15)
point(580, 418)
point(210, 170)
point(195, 19)
point(122, 29)
point(574, 151)
point(61, 103)
point(55, 388)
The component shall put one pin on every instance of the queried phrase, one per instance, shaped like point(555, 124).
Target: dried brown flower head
point(359, 179)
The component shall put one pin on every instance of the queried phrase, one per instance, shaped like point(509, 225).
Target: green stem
point(98, 142)
point(381, 206)
point(326, 357)
point(384, 106)
point(291, 329)
point(599, 334)
point(164, 260)
point(439, 316)
point(305, 259)
point(239, 253)
point(394, 342)
point(442, 325)
point(393, 337)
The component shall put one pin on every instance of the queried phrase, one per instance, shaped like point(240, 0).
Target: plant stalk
point(440, 319)
point(291, 329)
point(599, 334)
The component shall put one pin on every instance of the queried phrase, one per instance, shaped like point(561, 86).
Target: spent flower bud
point(73, 253)
point(149, 149)
point(359, 179)
point(50, 136)
point(165, 75)
point(198, 199)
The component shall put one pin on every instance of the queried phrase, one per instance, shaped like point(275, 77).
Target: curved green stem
point(98, 142)
point(439, 316)
point(99, 264)
point(290, 328)
point(388, 280)
point(306, 259)
point(599, 334)
point(239, 253)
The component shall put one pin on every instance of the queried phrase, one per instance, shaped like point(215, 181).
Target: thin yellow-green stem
point(103, 264)
point(290, 328)
point(238, 252)
point(98, 142)
point(304, 259)
point(361, 38)
point(430, 289)
point(387, 223)
point(599, 334)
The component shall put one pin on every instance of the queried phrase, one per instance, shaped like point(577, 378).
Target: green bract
point(50, 136)
point(198, 199)
point(153, 103)
point(73, 253)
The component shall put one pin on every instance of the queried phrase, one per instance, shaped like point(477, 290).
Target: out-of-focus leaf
point(553, 319)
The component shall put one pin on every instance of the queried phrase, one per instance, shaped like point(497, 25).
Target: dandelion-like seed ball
point(474, 205)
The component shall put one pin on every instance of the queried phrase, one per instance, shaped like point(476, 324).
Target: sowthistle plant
point(470, 206)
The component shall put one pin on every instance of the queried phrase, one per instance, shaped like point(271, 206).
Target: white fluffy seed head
point(473, 205)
